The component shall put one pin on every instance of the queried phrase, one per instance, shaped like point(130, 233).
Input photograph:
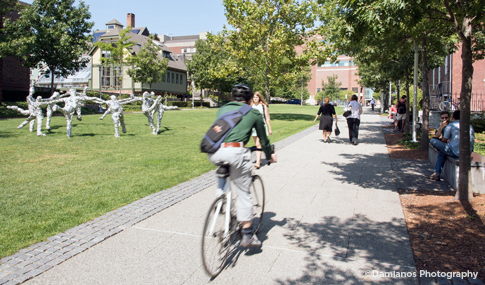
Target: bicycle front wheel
point(214, 245)
point(258, 197)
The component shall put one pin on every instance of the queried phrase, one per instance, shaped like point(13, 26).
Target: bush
point(182, 104)
point(478, 122)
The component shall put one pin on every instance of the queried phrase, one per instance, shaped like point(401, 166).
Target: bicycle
point(448, 105)
point(221, 228)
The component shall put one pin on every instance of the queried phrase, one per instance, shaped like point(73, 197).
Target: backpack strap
point(245, 109)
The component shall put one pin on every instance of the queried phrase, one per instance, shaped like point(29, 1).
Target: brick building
point(346, 72)
point(14, 77)
point(445, 81)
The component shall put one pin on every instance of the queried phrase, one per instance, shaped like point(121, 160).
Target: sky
point(175, 18)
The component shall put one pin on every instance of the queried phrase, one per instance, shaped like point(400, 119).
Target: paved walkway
point(332, 216)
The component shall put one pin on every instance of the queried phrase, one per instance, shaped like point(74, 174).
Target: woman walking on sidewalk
point(353, 120)
point(260, 104)
point(326, 120)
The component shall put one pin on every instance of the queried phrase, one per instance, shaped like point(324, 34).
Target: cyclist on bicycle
point(233, 152)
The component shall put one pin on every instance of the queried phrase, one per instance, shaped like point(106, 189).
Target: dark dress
point(326, 119)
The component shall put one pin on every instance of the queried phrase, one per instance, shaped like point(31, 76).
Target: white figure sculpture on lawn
point(50, 105)
point(34, 112)
point(72, 104)
point(149, 107)
point(116, 111)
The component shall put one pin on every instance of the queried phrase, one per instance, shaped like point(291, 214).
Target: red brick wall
point(456, 73)
point(13, 75)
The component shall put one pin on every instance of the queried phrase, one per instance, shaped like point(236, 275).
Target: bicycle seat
point(223, 170)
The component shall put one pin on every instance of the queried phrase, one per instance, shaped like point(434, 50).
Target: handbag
point(348, 112)
point(337, 131)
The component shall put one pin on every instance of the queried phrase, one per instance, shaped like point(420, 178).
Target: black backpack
point(214, 137)
point(401, 108)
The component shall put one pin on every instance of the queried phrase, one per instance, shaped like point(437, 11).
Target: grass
point(53, 183)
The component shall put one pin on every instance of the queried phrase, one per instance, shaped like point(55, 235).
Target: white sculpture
point(73, 103)
point(34, 112)
point(149, 107)
point(50, 105)
point(116, 111)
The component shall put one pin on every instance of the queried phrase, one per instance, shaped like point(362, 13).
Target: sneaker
point(250, 241)
point(435, 176)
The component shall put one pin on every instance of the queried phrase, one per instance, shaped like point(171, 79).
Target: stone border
point(40, 257)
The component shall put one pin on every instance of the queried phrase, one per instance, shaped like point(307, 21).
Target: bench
point(450, 170)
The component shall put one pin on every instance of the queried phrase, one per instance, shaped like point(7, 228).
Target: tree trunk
point(52, 79)
point(386, 100)
point(407, 127)
point(425, 126)
point(464, 193)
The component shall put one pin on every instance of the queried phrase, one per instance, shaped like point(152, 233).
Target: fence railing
point(477, 101)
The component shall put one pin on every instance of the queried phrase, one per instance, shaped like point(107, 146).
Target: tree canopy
point(148, 66)
point(49, 33)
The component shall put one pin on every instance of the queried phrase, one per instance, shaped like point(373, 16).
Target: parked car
point(294, 101)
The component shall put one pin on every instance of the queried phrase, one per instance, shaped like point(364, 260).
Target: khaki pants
point(239, 159)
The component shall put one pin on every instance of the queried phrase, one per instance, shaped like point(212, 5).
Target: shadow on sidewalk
point(366, 171)
point(335, 246)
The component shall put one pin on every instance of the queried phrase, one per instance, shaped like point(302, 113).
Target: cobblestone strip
point(40, 257)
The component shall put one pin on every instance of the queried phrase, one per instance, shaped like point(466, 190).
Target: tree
point(150, 65)
point(467, 17)
point(267, 31)
point(50, 33)
point(118, 54)
point(330, 89)
point(207, 63)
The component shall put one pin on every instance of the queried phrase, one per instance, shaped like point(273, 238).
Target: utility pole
point(415, 95)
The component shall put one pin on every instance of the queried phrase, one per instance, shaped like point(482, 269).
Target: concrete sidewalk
point(332, 216)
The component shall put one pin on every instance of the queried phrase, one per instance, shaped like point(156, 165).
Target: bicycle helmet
point(242, 91)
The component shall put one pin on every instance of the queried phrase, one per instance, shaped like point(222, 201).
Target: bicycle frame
point(224, 188)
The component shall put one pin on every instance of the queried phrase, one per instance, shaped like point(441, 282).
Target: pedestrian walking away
point(326, 111)
point(260, 104)
point(353, 120)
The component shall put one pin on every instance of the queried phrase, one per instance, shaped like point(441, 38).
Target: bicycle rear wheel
point(442, 106)
point(258, 197)
point(214, 247)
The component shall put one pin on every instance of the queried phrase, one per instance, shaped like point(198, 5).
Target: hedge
point(182, 104)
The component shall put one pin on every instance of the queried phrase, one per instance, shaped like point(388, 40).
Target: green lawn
point(53, 183)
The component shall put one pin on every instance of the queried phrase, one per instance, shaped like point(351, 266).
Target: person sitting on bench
point(449, 145)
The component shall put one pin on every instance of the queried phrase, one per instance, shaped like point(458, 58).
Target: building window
point(355, 89)
point(166, 54)
point(106, 77)
point(117, 77)
point(177, 79)
point(318, 90)
point(110, 27)
point(168, 77)
point(173, 77)
point(165, 75)
point(181, 78)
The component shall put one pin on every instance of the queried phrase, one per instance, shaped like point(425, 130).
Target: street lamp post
point(100, 78)
point(415, 95)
